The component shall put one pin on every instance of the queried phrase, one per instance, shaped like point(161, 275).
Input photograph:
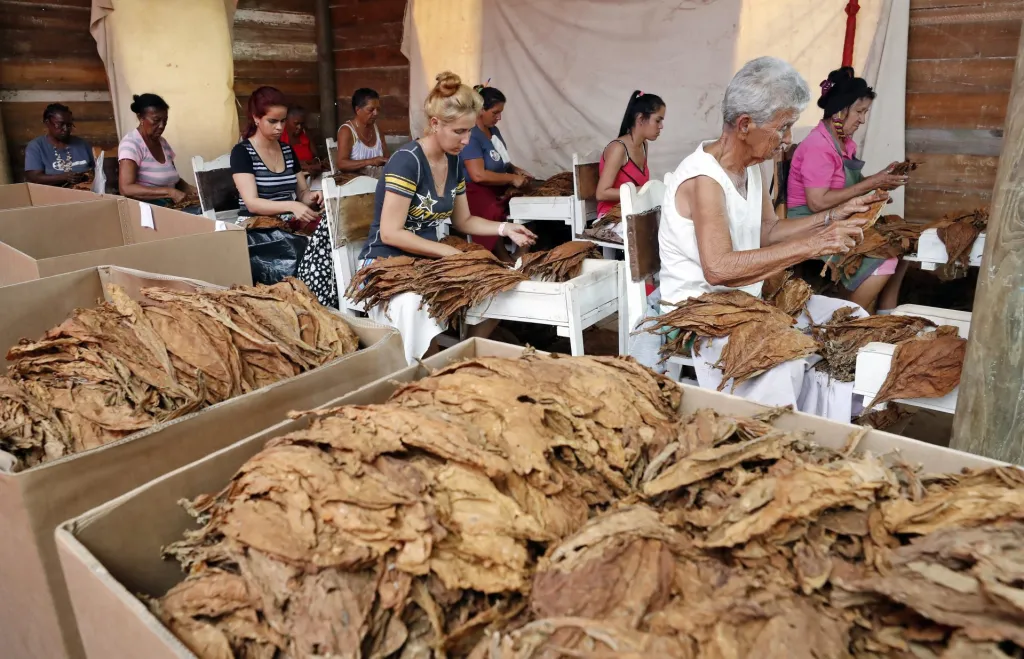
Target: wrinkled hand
point(316, 198)
point(839, 237)
point(302, 212)
point(379, 161)
point(857, 205)
point(520, 235)
point(518, 180)
point(176, 195)
point(884, 180)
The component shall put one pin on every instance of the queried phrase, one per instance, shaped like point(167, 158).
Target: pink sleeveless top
point(630, 173)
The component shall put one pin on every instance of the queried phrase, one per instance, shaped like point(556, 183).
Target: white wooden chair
point(931, 251)
point(875, 359)
point(218, 196)
point(641, 214)
point(349, 216)
point(332, 153)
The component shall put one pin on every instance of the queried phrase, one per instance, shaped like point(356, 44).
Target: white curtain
point(568, 67)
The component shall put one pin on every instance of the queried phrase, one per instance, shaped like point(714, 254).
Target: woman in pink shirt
point(825, 172)
point(625, 158)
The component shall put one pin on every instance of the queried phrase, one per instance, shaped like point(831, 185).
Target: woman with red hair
point(266, 173)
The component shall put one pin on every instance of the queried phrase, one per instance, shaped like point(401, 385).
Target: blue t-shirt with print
point(408, 174)
point(42, 156)
point(480, 146)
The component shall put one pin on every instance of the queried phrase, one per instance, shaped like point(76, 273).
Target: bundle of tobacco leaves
point(560, 264)
point(924, 367)
point(86, 183)
point(754, 348)
point(886, 417)
point(113, 370)
point(191, 199)
point(449, 285)
point(788, 293)
point(604, 234)
point(566, 510)
point(461, 244)
point(609, 219)
point(559, 185)
point(958, 233)
point(264, 222)
point(843, 336)
point(890, 237)
point(904, 168)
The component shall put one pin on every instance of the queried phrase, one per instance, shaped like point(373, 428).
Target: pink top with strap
point(629, 173)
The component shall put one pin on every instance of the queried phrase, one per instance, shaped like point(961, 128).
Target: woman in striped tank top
point(625, 158)
point(360, 147)
point(146, 161)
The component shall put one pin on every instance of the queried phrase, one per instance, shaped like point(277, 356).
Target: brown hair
point(450, 99)
point(260, 103)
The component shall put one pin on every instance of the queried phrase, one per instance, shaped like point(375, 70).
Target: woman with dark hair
point(360, 146)
point(146, 160)
point(825, 172)
point(625, 158)
point(295, 136)
point(488, 168)
point(58, 158)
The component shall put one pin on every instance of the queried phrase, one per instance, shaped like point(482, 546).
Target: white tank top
point(362, 152)
point(681, 274)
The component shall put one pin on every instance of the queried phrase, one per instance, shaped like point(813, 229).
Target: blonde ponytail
point(450, 99)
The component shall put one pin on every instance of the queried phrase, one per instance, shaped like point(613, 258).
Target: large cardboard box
point(42, 241)
point(36, 620)
point(23, 195)
point(111, 554)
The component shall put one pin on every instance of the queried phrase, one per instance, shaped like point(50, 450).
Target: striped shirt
point(152, 173)
point(408, 174)
point(270, 185)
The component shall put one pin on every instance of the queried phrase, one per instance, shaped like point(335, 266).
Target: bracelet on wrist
point(501, 228)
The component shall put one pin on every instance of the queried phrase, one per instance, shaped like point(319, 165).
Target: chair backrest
point(584, 183)
point(349, 208)
point(641, 213)
point(332, 153)
point(216, 188)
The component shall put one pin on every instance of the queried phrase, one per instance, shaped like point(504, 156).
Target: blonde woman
point(423, 185)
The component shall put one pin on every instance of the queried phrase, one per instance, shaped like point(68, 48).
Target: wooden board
point(990, 74)
point(642, 233)
point(355, 12)
point(954, 171)
point(952, 110)
point(369, 57)
point(958, 40)
point(927, 205)
point(587, 175)
point(69, 73)
point(358, 36)
point(970, 142)
point(387, 81)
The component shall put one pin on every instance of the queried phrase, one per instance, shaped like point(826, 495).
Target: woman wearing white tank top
point(719, 230)
point(360, 146)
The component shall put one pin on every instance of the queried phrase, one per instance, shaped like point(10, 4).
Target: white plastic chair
point(217, 194)
point(345, 246)
point(332, 153)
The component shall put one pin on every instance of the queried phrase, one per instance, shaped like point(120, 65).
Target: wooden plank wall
point(961, 55)
point(367, 53)
point(48, 56)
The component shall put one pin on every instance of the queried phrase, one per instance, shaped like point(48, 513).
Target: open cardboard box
point(24, 195)
point(111, 554)
point(42, 241)
point(36, 620)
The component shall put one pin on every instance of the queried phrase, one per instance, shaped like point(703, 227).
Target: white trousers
point(415, 325)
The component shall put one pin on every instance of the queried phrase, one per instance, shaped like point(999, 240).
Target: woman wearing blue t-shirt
point(489, 170)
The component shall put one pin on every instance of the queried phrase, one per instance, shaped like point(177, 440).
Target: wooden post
point(325, 69)
point(5, 163)
point(990, 411)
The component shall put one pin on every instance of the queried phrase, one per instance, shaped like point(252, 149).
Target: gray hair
point(762, 88)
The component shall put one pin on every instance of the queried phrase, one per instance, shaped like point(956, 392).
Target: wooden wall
point(367, 53)
point(48, 56)
point(961, 55)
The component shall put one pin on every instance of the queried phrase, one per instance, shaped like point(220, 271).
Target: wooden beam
point(968, 142)
point(325, 68)
point(990, 408)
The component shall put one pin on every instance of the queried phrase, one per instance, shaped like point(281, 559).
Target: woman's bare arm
point(479, 174)
point(614, 159)
point(344, 162)
point(128, 185)
point(394, 234)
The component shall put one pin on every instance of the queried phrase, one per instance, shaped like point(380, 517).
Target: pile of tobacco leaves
point(562, 507)
point(958, 233)
point(559, 185)
point(449, 285)
point(788, 293)
point(462, 244)
point(560, 264)
point(110, 371)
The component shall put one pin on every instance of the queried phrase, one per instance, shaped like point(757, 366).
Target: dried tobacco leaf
point(559, 185)
point(110, 371)
point(890, 237)
point(904, 168)
point(264, 222)
point(926, 367)
point(609, 219)
point(754, 348)
point(958, 234)
point(884, 418)
point(844, 335)
point(787, 293)
point(602, 234)
point(462, 245)
point(560, 264)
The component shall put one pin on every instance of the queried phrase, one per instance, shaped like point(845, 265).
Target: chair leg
point(575, 323)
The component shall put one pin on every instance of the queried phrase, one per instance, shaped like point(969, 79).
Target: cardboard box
point(24, 195)
point(113, 553)
point(42, 241)
point(36, 619)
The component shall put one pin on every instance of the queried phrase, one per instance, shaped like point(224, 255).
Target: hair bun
point(447, 84)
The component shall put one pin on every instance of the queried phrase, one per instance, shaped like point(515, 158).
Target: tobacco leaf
point(113, 370)
point(560, 264)
point(889, 237)
point(559, 185)
point(609, 219)
point(958, 234)
point(190, 199)
point(884, 418)
point(926, 367)
point(787, 293)
point(754, 348)
point(462, 245)
point(265, 222)
point(602, 234)
point(843, 336)
point(904, 168)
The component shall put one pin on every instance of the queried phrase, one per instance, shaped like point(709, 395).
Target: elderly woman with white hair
point(719, 230)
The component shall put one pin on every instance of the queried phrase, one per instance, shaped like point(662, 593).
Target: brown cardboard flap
point(23, 195)
point(644, 251)
point(44, 232)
